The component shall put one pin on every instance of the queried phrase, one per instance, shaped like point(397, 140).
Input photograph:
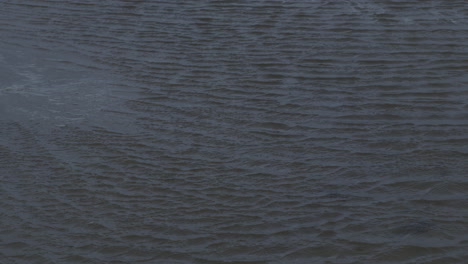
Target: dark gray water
point(216, 131)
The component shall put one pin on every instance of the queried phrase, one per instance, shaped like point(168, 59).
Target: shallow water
point(233, 131)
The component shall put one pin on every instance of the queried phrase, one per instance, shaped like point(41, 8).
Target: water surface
point(219, 131)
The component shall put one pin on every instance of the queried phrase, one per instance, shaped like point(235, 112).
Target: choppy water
point(216, 131)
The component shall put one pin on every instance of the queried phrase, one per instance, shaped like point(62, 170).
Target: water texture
point(218, 131)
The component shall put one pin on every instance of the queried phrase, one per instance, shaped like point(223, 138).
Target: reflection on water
point(222, 131)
